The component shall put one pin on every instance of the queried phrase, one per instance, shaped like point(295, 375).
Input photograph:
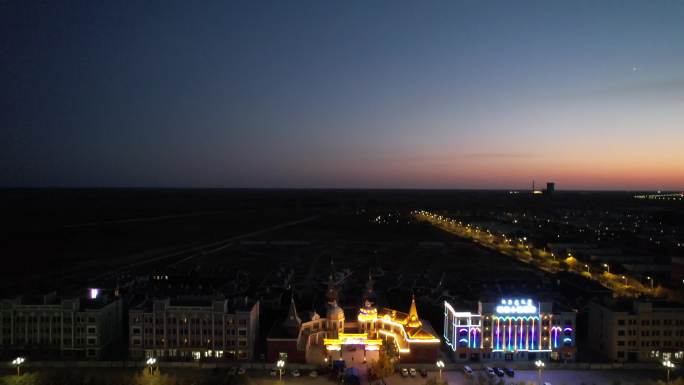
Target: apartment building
point(194, 328)
point(50, 326)
point(637, 331)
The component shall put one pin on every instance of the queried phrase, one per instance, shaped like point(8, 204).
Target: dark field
point(55, 237)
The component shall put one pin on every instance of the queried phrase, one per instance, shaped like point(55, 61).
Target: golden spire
point(413, 320)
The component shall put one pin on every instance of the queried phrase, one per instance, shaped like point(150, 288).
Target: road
point(524, 251)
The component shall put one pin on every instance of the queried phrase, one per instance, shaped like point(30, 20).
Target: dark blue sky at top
point(333, 94)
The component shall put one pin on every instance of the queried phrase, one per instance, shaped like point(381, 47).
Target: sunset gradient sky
point(351, 94)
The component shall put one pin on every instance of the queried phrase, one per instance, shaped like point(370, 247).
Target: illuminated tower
point(413, 320)
point(368, 313)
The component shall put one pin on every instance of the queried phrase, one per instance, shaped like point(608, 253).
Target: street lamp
point(150, 364)
point(668, 365)
point(540, 365)
point(280, 364)
point(607, 267)
point(624, 279)
point(17, 362)
point(587, 266)
point(440, 366)
point(650, 279)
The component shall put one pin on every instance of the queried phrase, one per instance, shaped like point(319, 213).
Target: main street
point(525, 251)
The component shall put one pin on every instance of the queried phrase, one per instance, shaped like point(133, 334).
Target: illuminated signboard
point(94, 293)
point(516, 306)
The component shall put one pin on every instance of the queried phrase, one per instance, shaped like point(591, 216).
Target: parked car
point(404, 372)
point(242, 370)
point(489, 370)
point(423, 372)
point(296, 373)
point(509, 372)
point(232, 371)
point(313, 374)
point(467, 370)
point(413, 372)
point(499, 372)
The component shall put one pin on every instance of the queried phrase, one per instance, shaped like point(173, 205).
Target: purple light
point(94, 293)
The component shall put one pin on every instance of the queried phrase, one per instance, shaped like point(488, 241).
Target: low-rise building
point(509, 330)
point(50, 326)
point(636, 330)
point(194, 328)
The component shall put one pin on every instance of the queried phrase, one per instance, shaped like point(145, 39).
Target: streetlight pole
point(650, 279)
point(17, 362)
point(150, 364)
point(607, 266)
point(540, 365)
point(280, 364)
point(440, 365)
point(668, 365)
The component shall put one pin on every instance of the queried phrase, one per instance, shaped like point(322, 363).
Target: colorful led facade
point(510, 329)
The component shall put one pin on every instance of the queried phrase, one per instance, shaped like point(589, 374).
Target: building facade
point(323, 339)
point(637, 331)
point(193, 329)
point(51, 326)
point(510, 330)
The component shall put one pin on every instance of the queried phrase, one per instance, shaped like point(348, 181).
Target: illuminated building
point(320, 339)
point(510, 329)
point(81, 326)
point(636, 330)
point(194, 328)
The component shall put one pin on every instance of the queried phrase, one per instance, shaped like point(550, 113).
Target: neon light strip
point(521, 333)
point(510, 321)
point(532, 334)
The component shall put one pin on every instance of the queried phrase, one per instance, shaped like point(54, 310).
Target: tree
point(390, 350)
point(383, 366)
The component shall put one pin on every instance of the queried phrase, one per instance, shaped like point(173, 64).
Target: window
point(92, 341)
point(621, 332)
point(621, 322)
point(621, 354)
point(92, 330)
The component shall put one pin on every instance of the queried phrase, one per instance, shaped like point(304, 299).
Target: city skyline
point(463, 95)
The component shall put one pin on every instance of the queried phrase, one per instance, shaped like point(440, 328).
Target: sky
point(463, 94)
